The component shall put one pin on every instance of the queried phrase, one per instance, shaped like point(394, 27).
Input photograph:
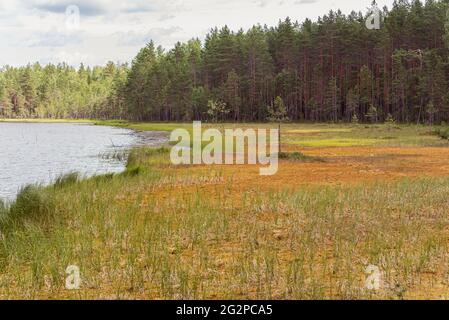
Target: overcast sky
point(114, 30)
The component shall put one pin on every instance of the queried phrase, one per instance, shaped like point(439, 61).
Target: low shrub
point(443, 132)
point(297, 156)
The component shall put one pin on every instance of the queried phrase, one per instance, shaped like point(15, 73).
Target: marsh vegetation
point(160, 231)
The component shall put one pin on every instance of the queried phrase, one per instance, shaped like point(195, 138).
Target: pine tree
point(28, 91)
point(331, 101)
point(330, 69)
point(430, 110)
point(232, 94)
point(137, 95)
point(352, 104)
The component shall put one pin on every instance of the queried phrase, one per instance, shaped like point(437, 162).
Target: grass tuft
point(66, 180)
point(103, 177)
point(132, 172)
point(3, 209)
point(141, 156)
point(33, 203)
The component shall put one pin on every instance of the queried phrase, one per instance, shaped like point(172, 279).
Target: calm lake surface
point(40, 152)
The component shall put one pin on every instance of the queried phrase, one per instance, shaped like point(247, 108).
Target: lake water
point(40, 152)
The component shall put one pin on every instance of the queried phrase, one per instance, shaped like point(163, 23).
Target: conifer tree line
point(62, 91)
point(333, 69)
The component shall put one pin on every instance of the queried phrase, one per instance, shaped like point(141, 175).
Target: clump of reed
point(155, 235)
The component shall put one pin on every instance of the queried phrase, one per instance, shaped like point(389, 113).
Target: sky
point(97, 31)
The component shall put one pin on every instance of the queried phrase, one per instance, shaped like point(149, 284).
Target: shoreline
point(140, 139)
point(30, 120)
point(125, 124)
point(165, 220)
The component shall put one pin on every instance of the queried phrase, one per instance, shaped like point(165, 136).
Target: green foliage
point(446, 29)
point(430, 110)
point(217, 110)
point(278, 112)
point(443, 132)
point(297, 156)
point(62, 91)
point(325, 70)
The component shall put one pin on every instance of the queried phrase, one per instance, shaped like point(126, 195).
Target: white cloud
point(35, 30)
point(72, 57)
point(140, 38)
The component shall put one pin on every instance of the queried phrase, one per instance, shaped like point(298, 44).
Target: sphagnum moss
point(166, 232)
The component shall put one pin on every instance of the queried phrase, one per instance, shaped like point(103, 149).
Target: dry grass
point(164, 232)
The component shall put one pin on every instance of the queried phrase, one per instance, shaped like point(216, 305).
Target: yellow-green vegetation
point(308, 131)
point(145, 126)
point(317, 135)
point(162, 232)
point(362, 135)
point(337, 142)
